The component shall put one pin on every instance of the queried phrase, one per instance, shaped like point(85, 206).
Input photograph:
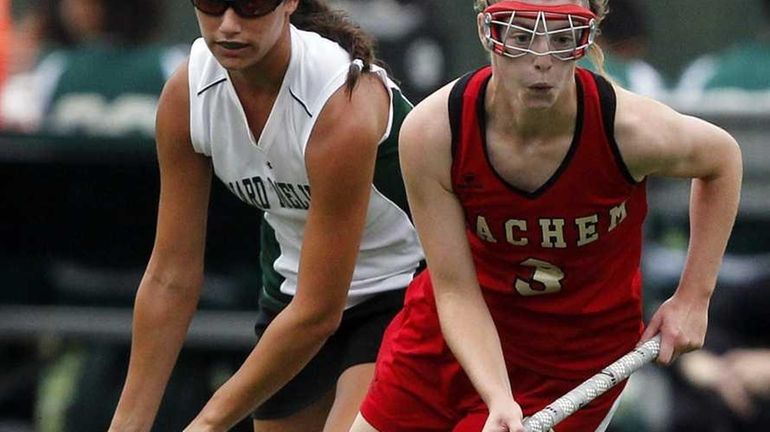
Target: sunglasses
point(243, 8)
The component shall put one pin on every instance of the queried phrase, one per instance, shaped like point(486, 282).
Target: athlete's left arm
point(657, 141)
point(340, 159)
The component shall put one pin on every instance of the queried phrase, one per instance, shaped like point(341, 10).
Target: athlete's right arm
point(169, 291)
point(467, 326)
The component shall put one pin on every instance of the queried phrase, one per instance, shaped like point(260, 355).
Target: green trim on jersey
point(387, 180)
point(270, 296)
point(387, 171)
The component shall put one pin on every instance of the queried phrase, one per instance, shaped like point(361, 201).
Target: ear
point(290, 5)
point(480, 31)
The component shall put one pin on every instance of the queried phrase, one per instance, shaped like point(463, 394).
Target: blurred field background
point(77, 217)
point(680, 30)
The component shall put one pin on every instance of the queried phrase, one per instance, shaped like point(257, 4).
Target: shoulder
point(651, 135)
point(177, 86)
point(174, 105)
point(428, 123)
point(636, 115)
point(640, 119)
point(362, 110)
point(645, 131)
point(426, 139)
point(350, 125)
point(342, 149)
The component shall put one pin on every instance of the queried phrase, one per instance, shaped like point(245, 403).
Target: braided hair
point(318, 17)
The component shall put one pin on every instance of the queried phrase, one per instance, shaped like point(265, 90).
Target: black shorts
point(355, 342)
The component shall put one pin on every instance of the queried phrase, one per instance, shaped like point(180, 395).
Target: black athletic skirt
point(355, 342)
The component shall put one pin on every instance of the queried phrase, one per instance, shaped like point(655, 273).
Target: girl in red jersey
point(526, 179)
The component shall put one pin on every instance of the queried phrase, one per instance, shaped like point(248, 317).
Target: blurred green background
point(681, 29)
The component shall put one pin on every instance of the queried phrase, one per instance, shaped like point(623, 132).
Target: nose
point(231, 23)
point(541, 62)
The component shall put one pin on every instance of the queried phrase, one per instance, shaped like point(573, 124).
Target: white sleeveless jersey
point(269, 173)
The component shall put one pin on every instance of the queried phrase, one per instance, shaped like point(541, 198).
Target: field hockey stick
point(590, 389)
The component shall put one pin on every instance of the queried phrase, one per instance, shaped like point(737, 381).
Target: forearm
point(161, 318)
point(472, 336)
point(713, 208)
point(287, 345)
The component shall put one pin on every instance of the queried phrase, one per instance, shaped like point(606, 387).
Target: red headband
point(561, 9)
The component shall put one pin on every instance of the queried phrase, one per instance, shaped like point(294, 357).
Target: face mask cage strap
point(506, 36)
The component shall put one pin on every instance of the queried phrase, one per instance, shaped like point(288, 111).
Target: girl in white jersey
point(279, 98)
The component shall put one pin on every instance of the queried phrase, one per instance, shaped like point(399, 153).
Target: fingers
point(672, 344)
point(666, 350)
point(511, 427)
point(679, 334)
point(652, 329)
point(666, 354)
point(515, 424)
point(675, 342)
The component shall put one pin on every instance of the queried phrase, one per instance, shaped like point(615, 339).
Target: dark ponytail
point(316, 16)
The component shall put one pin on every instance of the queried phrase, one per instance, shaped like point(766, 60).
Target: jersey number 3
point(546, 279)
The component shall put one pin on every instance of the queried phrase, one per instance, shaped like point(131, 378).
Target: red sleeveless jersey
point(559, 267)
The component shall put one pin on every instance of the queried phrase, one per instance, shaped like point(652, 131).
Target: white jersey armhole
point(335, 84)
